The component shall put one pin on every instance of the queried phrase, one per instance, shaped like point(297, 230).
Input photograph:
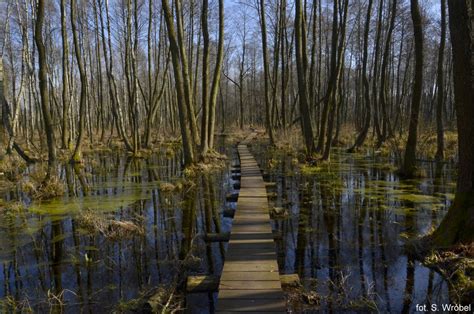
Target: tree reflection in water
point(345, 232)
point(51, 262)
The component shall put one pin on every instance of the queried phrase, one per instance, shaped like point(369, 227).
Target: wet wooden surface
point(250, 279)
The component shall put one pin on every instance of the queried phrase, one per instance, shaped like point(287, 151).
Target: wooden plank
point(254, 305)
point(250, 266)
point(251, 312)
point(246, 275)
point(251, 246)
point(249, 284)
point(251, 294)
point(250, 281)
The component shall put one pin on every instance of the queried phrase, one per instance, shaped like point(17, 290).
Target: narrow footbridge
point(250, 280)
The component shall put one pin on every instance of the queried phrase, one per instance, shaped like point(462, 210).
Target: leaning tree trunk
point(458, 224)
point(409, 163)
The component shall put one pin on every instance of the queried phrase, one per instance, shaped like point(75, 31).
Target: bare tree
point(43, 87)
point(458, 224)
point(409, 161)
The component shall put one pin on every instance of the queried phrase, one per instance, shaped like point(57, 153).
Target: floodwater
point(50, 261)
point(342, 231)
point(344, 226)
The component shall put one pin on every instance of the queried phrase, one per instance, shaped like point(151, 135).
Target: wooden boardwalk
point(250, 280)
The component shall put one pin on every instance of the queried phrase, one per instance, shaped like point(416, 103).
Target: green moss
point(308, 170)
point(71, 206)
point(417, 198)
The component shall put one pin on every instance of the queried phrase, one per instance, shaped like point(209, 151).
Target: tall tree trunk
point(383, 76)
point(188, 148)
point(66, 95)
point(43, 87)
point(284, 63)
point(205, 79)
point(266, 72)
point(217, 77)
point(76, 157)
point(440, 86)
point(458, 224)
point(409, 162)
point(375, 101)
point(365, 84)
point(185, 76)
point(109, 66)
point(337, 69)
point(301, 65)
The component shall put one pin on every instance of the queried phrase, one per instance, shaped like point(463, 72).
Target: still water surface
point(342, 230)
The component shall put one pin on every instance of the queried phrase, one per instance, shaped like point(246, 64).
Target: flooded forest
point(221, 156)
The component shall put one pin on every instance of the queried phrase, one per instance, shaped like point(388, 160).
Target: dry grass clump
point(11, 210)
point(11, 167)
point(10, 304)
point(166, 299)
point(178, 186)
point(39, 189)
point(457, 267)
point(212, 161)
point(305, 297)
point(428, 144)
point(290, 141)
point(238, 135)
point(110, 228)
point(167, 187)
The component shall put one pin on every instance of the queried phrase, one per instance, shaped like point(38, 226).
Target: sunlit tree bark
point(43, 88)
